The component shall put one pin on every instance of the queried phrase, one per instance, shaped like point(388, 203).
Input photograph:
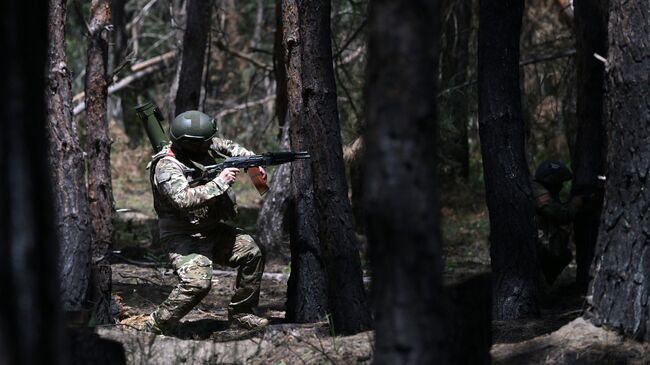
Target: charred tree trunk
point(619, 290)
point(189, 72)
point(589, 153)
point(307, 291)
point(319, 126)
point(401, 200)
point(30, 320)
point(273, 219)
point(453, 71)
point(507, 185)
point(67, 169)
point(98, 149)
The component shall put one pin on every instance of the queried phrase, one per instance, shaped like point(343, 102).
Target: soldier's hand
point(229, 175)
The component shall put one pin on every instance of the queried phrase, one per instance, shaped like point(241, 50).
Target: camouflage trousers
point(192, 257)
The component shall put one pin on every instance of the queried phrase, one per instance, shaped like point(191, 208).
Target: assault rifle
point(152, 118)
point(210, 172)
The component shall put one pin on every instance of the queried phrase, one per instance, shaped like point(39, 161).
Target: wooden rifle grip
point(256, 177)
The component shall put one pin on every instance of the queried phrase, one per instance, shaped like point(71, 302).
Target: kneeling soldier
point(191, 224)
point(553, 217)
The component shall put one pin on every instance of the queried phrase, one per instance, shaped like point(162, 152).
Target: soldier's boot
point(250, 259)
point(247, 321)
point(195, 274)
point(150, 325)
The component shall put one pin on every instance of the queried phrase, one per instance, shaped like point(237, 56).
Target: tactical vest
point(172, 220)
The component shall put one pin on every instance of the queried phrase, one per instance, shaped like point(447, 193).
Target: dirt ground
point(142, 279)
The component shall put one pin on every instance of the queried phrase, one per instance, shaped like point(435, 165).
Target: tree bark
point(306, 291)
point(507, 185)
point(619, 290)
point(401, 199)
point(189, 71)
point(453, 72)
point(67, 169)
point(273, 219)
point(30, 319)
point(588, 158)
point(319, 126)
point(98, 149)
point(272, 224)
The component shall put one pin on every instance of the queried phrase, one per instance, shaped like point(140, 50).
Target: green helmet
point(192, 127)
point(552, 173)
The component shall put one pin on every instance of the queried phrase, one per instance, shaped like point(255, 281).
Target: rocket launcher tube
point(151, 118)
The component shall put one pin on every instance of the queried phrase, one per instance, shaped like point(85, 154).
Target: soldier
point(191, 224)
point(552, 217)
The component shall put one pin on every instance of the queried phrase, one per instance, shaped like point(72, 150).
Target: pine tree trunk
point(98, 149)
point(272, 223)
point(319, 126)
point(501, 128)
point(30, 319)
point(453, 72)
point(401, 199)
point(128, 98)
point(589, 153)
point(189, 71)
point(67, 169)
point(619, 290)
point(307, 291)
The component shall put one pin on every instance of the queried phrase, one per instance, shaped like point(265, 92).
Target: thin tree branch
point(352, 37)
point(530, 61)
point(222, 46)
point(244, 106)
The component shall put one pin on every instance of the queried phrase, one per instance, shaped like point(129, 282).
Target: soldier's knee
point(196, 274)
point(255, 251)
point(202, 286)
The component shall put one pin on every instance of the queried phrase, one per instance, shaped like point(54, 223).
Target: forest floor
point(142, 278)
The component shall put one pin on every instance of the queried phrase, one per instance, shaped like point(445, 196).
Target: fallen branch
point(243, 106)
point(140, 70)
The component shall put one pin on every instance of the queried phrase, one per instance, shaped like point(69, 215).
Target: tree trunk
point(507, 185)
point(128, 98)
point(272, 224)
point(401, 199)
point(189, 71)
point(319, 126)
point(619, 291)
point(67, 169)
point(30, 320)
point(453, 72)
point(306, 291)
point(272, 221)
point(98, 149)
point(589, 153)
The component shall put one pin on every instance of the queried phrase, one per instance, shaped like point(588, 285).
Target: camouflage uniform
point(190, 224)
point(552, 217)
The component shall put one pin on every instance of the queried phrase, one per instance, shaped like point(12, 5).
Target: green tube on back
point(151, 118)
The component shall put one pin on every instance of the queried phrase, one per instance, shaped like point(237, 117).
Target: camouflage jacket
point(185, 209)
point(551, 213)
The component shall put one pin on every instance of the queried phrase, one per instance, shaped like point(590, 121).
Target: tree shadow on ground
point(561, 305)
